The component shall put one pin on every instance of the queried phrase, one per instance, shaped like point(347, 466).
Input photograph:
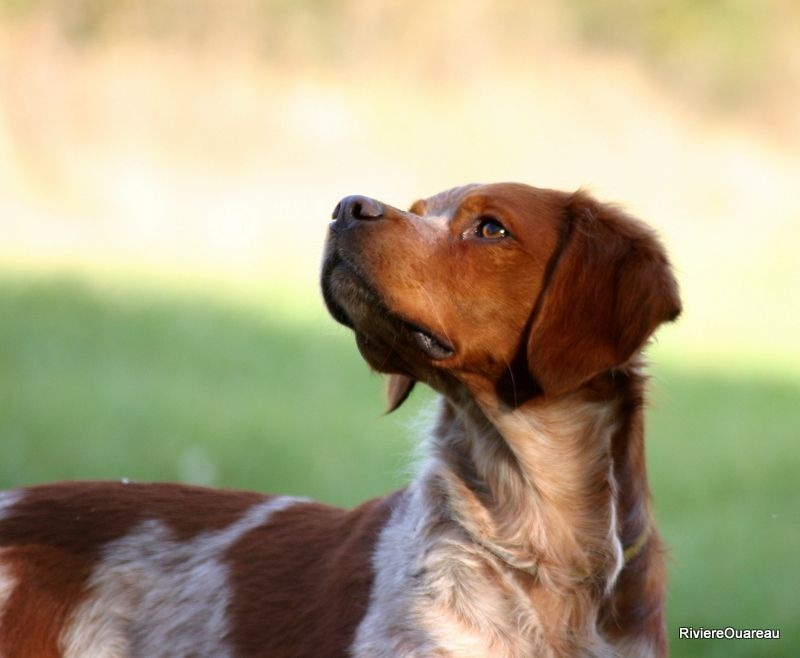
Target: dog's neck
point(556, 489)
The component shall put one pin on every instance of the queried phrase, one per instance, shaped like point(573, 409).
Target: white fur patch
point(637, 647)
point(153, 596)
point(388, 628)
point(616, 543)
point(7, 585)
point(431, 228)
point(7, 501)
point(432, 594)
point(439, 222)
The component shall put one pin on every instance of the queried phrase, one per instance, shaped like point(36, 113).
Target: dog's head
point(524, 290)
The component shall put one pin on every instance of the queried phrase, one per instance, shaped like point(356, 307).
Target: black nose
point(357, 208)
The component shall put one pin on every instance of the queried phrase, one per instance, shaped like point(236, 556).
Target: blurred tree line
point(720, 51)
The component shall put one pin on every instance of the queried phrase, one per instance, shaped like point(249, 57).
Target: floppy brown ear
point(610, 288)
point(397, 390)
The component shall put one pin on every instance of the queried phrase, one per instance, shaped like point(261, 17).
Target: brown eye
point(490, 229)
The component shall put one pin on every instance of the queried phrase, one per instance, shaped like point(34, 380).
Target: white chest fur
point(438, 594)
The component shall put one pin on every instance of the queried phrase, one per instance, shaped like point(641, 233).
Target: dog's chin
point(381, 356)
point(335, 289)
point(386, 341)
point(391, 345)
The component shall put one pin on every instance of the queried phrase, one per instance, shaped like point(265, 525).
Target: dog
point(528, 530)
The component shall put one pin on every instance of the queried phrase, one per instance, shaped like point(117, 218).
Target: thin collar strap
point(634, 549)
point(629, 553)
point(530, 566)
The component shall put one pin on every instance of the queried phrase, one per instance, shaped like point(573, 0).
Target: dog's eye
point(490, 229)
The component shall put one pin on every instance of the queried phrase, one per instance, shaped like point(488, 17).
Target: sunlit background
point(168, 168)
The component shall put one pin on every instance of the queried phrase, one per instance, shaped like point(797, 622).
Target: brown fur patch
point(54, 534)
point(301, 584)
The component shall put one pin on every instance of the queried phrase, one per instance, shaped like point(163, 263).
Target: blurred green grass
point(102, 384)
point(106, 382)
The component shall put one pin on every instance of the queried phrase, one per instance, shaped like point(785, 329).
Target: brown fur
point(280, 573)
point(53, 538)
point(311, 563)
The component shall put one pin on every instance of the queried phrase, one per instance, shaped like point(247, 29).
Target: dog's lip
point(334, 307)
point(433, 345)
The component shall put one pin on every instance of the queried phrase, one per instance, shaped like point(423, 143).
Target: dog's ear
point(610, 288)
point(397, 390)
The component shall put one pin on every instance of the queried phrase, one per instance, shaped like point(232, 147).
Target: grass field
point(105, 382)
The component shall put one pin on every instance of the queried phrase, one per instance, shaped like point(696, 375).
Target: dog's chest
point(436, 595)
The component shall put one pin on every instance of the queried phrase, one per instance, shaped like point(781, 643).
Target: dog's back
point(124, 569)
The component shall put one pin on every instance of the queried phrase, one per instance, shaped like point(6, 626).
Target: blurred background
point(168, 168)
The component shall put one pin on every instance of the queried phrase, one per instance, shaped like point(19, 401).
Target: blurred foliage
point(84, 21)
point(719, 48)
point(722, 50)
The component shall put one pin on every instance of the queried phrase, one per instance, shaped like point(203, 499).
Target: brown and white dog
point(528, 531)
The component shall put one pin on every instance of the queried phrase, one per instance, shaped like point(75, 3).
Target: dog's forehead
point(445, 203)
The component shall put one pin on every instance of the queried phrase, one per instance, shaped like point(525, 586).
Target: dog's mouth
point(432, 345)
point(353, 301)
